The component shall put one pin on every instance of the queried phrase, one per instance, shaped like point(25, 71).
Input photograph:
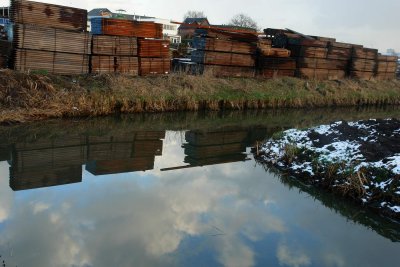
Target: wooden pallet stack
point(363, 63)
point(274, 62)
point(151, 52)
point(318, 57)
point(154, 56)
point(225, 53)
point(49, 38)
point(5, 53)
point(114, 54)
point(398, 68)
point(386, 67)
point(121, 27)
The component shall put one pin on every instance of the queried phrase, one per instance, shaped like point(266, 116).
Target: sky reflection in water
point(233, 214)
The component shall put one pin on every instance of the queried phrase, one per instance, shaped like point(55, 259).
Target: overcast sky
point(371, 23)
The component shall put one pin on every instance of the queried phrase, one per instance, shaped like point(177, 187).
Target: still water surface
point(175, 190)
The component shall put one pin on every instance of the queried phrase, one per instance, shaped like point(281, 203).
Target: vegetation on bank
point(34, 96)
point(359, 160)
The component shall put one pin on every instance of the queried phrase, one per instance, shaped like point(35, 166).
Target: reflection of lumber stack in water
point(44, 162)
point(47, 163)
point(215, 147)
point(4, 152)
point(125, 153)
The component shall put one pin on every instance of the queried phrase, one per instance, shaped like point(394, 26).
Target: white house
point(170, 30)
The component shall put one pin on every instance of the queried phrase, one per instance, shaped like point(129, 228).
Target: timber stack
point(274, 62)
point(316, 57)
point(386, 67)
point(225, 53)
point(5, 52)
point(114, 54)
point(326, 59)
point(154, 56)
point(363, 63)
point(50, 38)
point(398, 68)
point(147, 53)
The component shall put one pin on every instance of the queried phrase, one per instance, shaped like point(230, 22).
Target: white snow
point(346, 153)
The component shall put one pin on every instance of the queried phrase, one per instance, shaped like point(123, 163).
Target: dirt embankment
point(27, 97)
point(360, 160)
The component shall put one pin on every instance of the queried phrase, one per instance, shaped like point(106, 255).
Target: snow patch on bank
point(301, 152)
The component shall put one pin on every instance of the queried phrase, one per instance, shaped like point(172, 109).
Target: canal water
point(176, 190)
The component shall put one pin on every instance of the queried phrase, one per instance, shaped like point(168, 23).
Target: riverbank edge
point(371, 187)
point(28, 97)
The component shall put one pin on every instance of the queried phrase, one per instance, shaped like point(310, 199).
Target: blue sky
point(370, 23)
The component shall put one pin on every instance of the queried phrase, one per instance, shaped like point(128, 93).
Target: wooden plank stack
point(5, 53)
point(149, 54)
point(274, 62)
point(318, 57)
point(120, 27)
point(398, 69)
point(225, 53)
point(363, 63)
point(49, 38)
point(114, 54)
point(154, 56)
point(48, 15)
point(386, 67)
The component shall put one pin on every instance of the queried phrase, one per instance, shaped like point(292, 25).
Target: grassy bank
point(27, 97)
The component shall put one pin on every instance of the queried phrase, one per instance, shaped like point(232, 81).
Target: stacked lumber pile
point(49, 38)
point(154, 56)
point(386, 67)
point(363, 63)
point(318, 57)
point(114, 54)
point(129, 47)
point(120, 27)
point(274, 62)
point(398, 68)
point(225, 53)
point(5, 52)
point(48, 15)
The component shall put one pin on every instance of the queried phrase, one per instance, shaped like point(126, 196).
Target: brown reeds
point(33, 96)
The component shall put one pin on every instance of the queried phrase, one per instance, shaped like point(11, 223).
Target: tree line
point(239, 20)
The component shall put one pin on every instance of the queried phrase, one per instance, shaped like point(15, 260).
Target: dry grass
point(26, 97)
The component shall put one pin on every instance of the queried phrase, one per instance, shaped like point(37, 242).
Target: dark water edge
point(55, 151)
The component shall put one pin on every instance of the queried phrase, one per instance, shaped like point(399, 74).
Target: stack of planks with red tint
point(363, 63)
point(49, 38)
point(225, 54)
point(151, 53)
point(122, 27)
point(319, 57)
point(114, 54)
point(274, 62)
point(154, 57)
point(386, 67)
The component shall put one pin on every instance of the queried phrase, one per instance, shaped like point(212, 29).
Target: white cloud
point(289, 257)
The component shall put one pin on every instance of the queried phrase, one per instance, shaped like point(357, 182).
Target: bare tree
point(242, 20)
point(194, 14)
